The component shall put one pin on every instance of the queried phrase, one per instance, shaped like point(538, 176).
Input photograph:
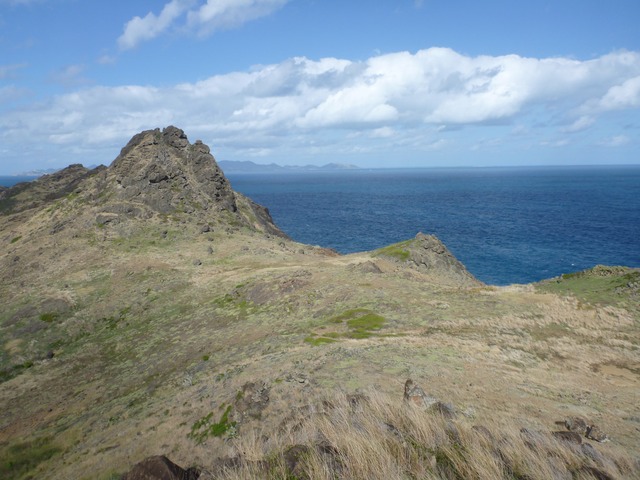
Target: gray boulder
point(160, 468)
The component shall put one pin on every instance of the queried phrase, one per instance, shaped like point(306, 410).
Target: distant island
point(231, 166)
point(35, 173)
point(43, 171)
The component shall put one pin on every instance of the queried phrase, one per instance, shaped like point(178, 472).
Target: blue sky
point(376, 84)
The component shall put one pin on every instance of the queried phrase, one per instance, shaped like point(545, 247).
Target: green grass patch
point(15, 239)
point(14, 371)
point(397, 250)
point(225, 301)
point(17, 461)
point(331, 335)
point(369, 321)
point(49, 317)
point(112, 322)
point(550, 330)
point(317, 341)
point(206, 428)
point(361, 323)
point(598, 285)
point(348, 315)
point(358, 334)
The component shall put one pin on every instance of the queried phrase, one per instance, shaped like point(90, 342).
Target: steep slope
point(46, 189)
point(148, 309)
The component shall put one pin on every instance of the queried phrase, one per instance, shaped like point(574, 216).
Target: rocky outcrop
point(416, 396)
point(160, 468)
point(585, 428)
point(251, 400)
point(429, 255)
point(164, 172)
point(158, 173)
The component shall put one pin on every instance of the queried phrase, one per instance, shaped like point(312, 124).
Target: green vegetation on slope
point(397, 250)
point(598, 285)
point(360, 322)
point(206, 428)
point(18, 461)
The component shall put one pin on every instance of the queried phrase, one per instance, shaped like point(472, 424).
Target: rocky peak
point(158, 173)
point(163, 171)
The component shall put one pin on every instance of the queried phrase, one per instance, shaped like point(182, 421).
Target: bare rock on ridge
point(158, 173)
point(165, 173)
point(429, 255)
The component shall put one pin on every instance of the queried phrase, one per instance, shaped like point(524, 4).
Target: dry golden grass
point(128, 379)
point(375, 437)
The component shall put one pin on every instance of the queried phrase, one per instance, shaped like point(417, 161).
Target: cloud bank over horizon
point(435, 99)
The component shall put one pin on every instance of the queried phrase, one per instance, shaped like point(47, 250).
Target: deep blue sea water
point(507, 225)
point(12, 180)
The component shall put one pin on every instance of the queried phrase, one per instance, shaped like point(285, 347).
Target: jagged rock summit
point(159, 173)
point(164, 172)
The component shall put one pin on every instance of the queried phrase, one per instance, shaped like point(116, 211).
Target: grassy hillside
point(205, 335)
point(117, 347)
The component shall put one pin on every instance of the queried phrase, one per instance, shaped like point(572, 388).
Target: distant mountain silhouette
point(231, 166)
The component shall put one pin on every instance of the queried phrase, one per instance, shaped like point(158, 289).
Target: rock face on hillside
point(427, 254)
point(157, 174)
point(163, 171)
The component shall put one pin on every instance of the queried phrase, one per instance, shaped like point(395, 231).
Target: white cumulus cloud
point(139, 29)
point(622, 96)
point(433, 98)
point(69, 76)
point(224, 14)
point(204, 18)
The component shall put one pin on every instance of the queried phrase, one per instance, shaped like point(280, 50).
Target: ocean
point(10, 181)
point(507, 225)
